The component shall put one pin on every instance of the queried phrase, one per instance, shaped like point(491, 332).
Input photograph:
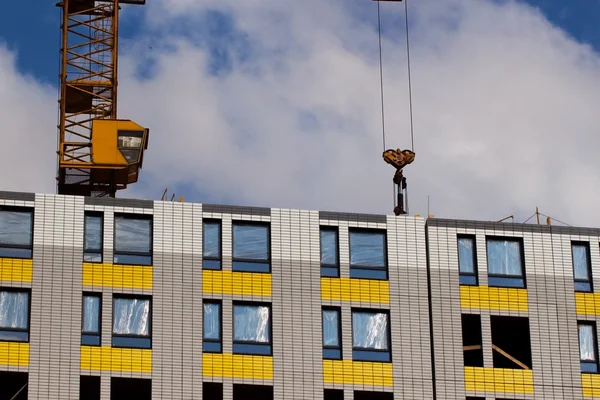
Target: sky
point(277, 103)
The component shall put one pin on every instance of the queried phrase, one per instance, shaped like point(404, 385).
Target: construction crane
point(399, 159)
point(98, 153)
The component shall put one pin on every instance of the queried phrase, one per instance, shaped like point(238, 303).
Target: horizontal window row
point(505, 262)
point(370, 334)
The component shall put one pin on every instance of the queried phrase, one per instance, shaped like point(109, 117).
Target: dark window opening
point(93, 237)
point(252, 328)
point(363, 395)
point(251, 247)
point(90, 322)
point(212, 327)
point(16, 232)
point(368, 254)
point(211, 244)
point(254, 392)
point(511, 343)
point(212, 391)
point(505, 262)
point(132, 316)
point(477, 398)
point(14, 315)
point(582, 266)
point(332, 328)
point(330, 260)
point(13, 385)
point(130, 388)
point(471, 336)
point(588, 346)
point(467, 260)
point(89, 387)
point(333, 394)
point(133, 239)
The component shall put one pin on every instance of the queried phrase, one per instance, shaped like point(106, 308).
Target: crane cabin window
point(16, 232)
point(133, 239)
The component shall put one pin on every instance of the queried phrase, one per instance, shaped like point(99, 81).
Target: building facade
point(118, 298)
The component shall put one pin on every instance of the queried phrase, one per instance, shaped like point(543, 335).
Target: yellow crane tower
point(98, 153)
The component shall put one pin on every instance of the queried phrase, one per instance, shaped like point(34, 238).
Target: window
point(131, 322)
point(251, 247)
point(212, 390)
point(14, 315)
point(212, 327)
point(93, 237)
point(133, 239)
point(368, 256)
point(330, 265)
point(211, 245)
point(472, 340)
point(332, 338)
point(252, 328)
point(588, 350)
point(89, 387)
point(582, 271)
point(333, 394)
point(370, 335)
point(511, 342)
point(16, 232)
point(467, 264)
point(90, 330)
point(505, 262)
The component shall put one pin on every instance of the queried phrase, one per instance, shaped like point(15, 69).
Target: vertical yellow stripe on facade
point(493, 298)
point(237, 366)
point(95, 358)
point(360, 290)
point(357, 373)
point(499, 380)
point(230, 282)
point(16, 270)
point(117, 276)
point(14, 354)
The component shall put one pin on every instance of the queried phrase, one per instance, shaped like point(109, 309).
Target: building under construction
point(104, 298)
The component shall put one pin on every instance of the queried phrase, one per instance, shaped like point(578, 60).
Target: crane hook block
point(398, 158)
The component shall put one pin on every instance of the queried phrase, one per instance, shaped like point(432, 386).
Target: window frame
point(133, 253)
point(112, 322)
point(220, 257)
point(590, 280)
point(28, 330)
point(29, 247)
point(385, 268)
point(234, 342)
point(363, 310)
point(336, 266)
point(220, 340)
point(475, 272)
point(85, 333)
point(265, 224)
point(339, 333)
point(101, 250)
point(593, 325)
point(522, 277)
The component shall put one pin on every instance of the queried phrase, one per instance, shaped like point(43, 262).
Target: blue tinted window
point(581, 267)
point(370, 336)
point(505, 266)
point(133, 240)
point(16, 233)
point(14, 316)
point(91, 314)
point(367, 249)
point(251, 329)
point(332, 342)
point(329, 247)
point(587, 347)
point(131, 322)
point(466, 255)
point(92, 242)
point(212, 240)
point(251, 248)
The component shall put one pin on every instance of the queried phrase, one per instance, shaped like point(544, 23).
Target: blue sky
point(271, 103)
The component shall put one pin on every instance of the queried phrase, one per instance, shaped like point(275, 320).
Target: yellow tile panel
point(349, 289)
point(237, 366)
point(357, 373)
point(16, 269)
point(590, 384)
point(587, 303)
point(493, 298)
point(499, 380)
point(105, 358)
point(14, 354)
point(117, 276)
point(230, 282)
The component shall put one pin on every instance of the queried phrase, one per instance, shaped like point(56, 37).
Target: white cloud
point(504, 107)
